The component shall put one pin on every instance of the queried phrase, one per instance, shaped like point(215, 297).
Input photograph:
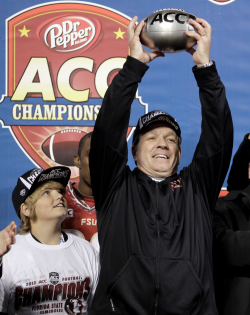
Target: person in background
point(240, 170)
point(81, 219)
point(7, 238)
point(232, 238)
point(46, 270)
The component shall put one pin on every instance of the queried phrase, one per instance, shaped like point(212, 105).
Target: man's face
point(51, 204)
point(82, 162)
point(157, 154)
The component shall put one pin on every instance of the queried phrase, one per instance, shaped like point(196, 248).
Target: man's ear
point(180, 153)
point(77, 161)
point(25, 210)
point(134, 151)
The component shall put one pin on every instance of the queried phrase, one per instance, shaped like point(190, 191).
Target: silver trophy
point(165, 31)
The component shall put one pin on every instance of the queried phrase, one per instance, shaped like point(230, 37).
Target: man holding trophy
point(155, 226)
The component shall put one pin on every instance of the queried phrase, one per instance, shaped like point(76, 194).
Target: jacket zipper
point(158, 218)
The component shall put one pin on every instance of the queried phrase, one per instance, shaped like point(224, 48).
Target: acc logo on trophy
point(61, 58)
point(222, 2)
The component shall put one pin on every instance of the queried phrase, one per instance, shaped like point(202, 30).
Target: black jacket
point(156, 238)
point(238, 176)
point(232, 253)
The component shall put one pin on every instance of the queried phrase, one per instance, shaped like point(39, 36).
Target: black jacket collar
point(144, 176)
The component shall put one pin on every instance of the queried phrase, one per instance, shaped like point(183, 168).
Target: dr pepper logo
point(70, 33)
point(222, 2)
point(61, 58)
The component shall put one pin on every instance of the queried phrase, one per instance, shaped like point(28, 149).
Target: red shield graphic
point(46, 44)
point(222, 2)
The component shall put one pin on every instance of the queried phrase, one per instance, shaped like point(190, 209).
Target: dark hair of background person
point(82, 142)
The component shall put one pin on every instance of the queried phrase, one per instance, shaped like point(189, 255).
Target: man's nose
point(162, 144)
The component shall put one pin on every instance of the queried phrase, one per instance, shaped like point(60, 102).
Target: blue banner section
point(34, 111)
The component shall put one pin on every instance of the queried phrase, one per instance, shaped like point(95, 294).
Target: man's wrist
point(136, 66)
point(208, 64)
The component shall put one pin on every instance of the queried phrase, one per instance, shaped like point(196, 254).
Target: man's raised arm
point(213, 153)
point(108, 154)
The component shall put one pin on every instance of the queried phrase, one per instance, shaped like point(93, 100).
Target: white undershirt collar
point(156, 179)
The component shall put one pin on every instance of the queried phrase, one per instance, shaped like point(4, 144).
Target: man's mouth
point(161, 156)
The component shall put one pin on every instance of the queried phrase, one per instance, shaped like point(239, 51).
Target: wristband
point(210, 63)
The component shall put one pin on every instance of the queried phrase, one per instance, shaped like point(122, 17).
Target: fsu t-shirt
point(41, 279)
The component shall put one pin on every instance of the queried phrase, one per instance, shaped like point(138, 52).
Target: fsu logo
point(222, 2)
point(73, 306)
point(61, 58)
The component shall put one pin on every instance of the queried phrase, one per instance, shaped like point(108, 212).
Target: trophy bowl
point(165, 31)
